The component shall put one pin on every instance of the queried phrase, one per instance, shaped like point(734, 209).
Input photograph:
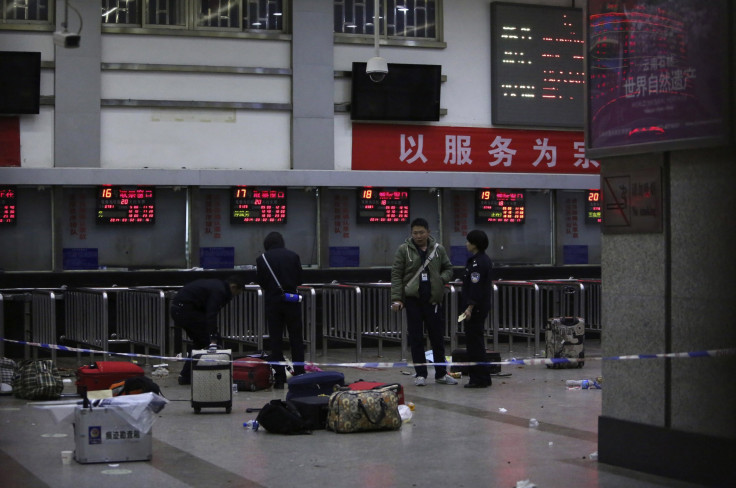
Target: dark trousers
point(421, 315)
point(194, 323)
point(476, 346)
point(288, 315)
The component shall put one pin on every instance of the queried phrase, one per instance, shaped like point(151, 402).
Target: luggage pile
point(322, 400)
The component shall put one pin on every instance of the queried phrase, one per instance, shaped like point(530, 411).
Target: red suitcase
point(252, 373)
point(102, 374)
point(369, 385)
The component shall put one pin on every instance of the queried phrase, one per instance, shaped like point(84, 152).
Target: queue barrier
point(341, 321)
point(242, 320)
point(346, 312)
point(379, 321)
point(561, 298)
point(592, 304)
point(451, 307)
point(572, 298)
point(99, 317)
point(44, 327)
point(309, 320)
point(22, 297)
point(517, 311)
point(140, 319)
point(86, 318)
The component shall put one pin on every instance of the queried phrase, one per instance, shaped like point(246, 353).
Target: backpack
point(37, 379)
point(135, 386)
point(282, 417)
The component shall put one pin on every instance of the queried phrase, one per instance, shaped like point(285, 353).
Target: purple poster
point(657, 75)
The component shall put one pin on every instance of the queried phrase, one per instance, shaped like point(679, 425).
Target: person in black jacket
point(477, 288)
point(195, 308)
point(287, 268)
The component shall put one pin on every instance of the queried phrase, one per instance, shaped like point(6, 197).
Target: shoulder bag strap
point(272, 273)
point(426, 262)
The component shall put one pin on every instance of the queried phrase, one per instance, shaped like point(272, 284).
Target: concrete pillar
point(77, 89)
point(313, 126)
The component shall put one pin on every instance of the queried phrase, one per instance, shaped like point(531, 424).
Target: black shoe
point(184, 381)
point(476, 385)
point(279, 385)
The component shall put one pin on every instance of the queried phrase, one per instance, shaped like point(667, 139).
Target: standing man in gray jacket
point(418, 276)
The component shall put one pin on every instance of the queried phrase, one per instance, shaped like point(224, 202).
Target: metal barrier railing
point(140, 319)
point(592, 304)
point(243, 319)
point(349, 312)
point(379, 321)
point(86, 318)
point(517, 311)
point(340, 322)
point(309, 320)
point(8, 296)
point(451, 305)
point(43, 318)
point(561, 298)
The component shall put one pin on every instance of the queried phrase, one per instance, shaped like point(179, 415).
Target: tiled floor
point(457, 437)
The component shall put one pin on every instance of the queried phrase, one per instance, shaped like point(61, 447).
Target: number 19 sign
point(504, 206)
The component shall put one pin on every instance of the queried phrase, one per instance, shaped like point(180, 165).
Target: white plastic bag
point(405, 413)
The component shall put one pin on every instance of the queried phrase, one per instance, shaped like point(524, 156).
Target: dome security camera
point(66, 39)
point(376, 68)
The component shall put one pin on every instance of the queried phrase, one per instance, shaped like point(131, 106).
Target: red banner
point(9, 141)
point(379, 147)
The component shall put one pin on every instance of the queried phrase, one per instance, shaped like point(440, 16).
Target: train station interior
point(145, 144)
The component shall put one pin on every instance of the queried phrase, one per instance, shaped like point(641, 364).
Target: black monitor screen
point(409, 92)
point(20, 82)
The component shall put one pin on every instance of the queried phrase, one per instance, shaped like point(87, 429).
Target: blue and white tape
point(710, 353)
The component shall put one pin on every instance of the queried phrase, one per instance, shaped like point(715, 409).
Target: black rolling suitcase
point(314, 384)
point(565, 339)
point(212, 379)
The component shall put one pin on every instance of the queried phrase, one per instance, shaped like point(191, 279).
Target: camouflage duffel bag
point(364, 410)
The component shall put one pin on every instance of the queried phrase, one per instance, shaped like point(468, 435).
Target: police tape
point(710, 353)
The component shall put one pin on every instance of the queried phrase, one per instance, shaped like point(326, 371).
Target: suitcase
point(564, 337)
point(102, 374)
point(372, 385)
point(313, 410)
point(252, 374)
point(103, 435)
point(212, 379)
point(313, 384)
point(461, 356)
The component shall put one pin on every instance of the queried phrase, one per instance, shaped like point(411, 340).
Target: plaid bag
point(37, 380)
point(7, 370)
point(364, 410)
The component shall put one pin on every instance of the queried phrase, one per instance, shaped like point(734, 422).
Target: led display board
point(593, 206)
point(251, 204)
point(8, 197)
point(499, 206)
point(537, 65)
point(382, 205)
point(125, 205)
